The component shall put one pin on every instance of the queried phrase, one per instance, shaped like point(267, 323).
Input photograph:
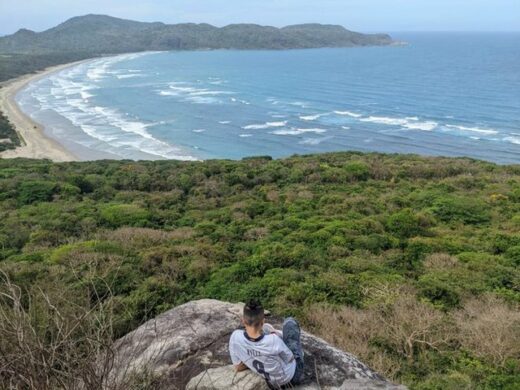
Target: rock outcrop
point(187, 347)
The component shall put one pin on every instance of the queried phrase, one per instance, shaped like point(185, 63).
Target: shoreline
point(34, 142)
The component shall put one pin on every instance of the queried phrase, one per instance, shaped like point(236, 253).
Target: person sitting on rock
point(276, 356)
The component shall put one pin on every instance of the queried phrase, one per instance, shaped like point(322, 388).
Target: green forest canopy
point(303, 234)
point(9, 138)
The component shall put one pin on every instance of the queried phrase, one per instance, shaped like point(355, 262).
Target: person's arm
point(270, 329)
point(284, 352)
point(237, 363)
point(241, 367)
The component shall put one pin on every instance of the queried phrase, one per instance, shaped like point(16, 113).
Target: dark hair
point(253, 313)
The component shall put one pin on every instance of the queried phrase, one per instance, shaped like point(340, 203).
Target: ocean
point(450, 94)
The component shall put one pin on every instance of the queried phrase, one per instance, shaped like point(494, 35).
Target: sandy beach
point(35, 144)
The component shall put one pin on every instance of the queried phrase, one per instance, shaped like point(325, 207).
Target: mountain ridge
point(103, 34)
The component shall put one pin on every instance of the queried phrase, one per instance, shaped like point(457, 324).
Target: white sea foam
point(345, 127)
point(116, 129)
point(311, 117)
point(86, 95)
point(189, 93)
point(235, 100)
point(266, 125)
point(99, 69)
point(129, 76)
point(118, 132)
point(199, 130)
point(181, 90)
point(96, 74)
point(512, 140)
point(348, 113)
point(425, 126)
point(203, 100)
point(313, 141)
point(218, 82)
point(298, 104)
point(205, 92)
point(245, 135)
point(411, 123)
point(473, 129)
point(295, 131)
point(224, 122)
point(385, 120)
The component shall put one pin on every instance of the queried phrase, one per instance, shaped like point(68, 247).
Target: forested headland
point(92, 36)
point(411, 263)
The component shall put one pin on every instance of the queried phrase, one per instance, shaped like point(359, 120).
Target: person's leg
point(291, 338)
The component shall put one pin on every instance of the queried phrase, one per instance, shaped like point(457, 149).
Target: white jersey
point(269, 356)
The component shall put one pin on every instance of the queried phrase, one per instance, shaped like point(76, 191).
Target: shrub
point(29, 257)
point(69, 191)
point(335, 287)
point(439, 290)
point(490, 329)
point(153, 296)
point(513, 254)
point(458, 209)
point(61, 340)
point(440, 262)
point(164, 261)
point(124, 215)
point(406, 329)
point(83, 183)
point(501, 242)
point(357, 171)
point(70, 252)
point(36, 191)
point(406, 223)
point(140, 238)
point(449, 381)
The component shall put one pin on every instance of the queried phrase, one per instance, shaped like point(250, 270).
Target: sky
point(359, 15)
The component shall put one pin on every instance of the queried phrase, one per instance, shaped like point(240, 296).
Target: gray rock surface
point(226, 378)
point(188, 348)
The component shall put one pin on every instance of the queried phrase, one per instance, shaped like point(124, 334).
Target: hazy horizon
point(364, 16)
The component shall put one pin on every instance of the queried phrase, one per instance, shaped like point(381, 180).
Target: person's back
point(268, 356)
point(264, 351)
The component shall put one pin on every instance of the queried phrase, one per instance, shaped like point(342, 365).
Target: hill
point(99, 34)
point(410, 263)
point(95, 35)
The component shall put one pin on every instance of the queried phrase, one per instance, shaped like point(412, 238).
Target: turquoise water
point(443, 94)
